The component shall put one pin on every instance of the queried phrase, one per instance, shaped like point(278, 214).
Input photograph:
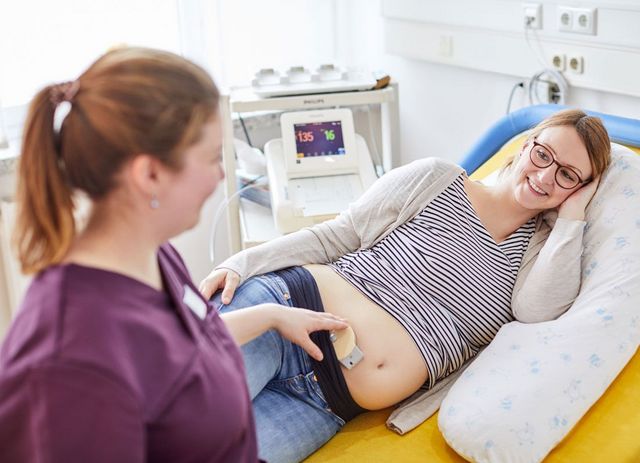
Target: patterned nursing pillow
point(534, 382)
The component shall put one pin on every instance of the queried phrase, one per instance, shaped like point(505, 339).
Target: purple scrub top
point(99, 367)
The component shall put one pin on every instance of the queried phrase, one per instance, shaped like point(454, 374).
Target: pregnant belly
point(392, 367)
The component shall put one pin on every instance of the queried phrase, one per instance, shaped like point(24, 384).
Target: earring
point(154, 203)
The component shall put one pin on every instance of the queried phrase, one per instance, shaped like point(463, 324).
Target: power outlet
point(565, 19)
point(553, 93)
point(559, 61)
point(584, 21)
point(575, 63)
point(532, 15)
point(577, 20)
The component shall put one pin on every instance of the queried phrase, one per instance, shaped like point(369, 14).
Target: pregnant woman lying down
point(426, 267)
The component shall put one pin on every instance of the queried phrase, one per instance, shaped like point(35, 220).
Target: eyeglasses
point(566, 177)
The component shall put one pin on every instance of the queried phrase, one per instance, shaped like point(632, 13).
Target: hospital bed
point(608, 431)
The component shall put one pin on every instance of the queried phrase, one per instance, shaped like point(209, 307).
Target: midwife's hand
point(221, 278)
point(296, 325)
point(573, 207)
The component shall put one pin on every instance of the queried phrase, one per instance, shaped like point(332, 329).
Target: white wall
point(492, 36)
point(232, 38)
point(444, 109)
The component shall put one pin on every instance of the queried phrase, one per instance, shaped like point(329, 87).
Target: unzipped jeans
point(292, 416)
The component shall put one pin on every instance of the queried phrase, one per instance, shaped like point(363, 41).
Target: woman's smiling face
point(536, 187)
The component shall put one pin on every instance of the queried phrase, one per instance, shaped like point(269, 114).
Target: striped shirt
point(443, 278)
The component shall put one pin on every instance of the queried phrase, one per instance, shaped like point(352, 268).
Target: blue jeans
point(292, 416)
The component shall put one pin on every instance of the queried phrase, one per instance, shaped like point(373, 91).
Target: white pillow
point(533, 383)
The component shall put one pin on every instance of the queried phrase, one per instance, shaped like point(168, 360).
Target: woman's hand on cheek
point(574, 206)
point(296, 325)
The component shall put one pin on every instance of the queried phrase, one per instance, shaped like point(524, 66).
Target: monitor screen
point(319, 139)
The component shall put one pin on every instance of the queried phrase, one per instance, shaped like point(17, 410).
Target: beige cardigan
point(547, 283)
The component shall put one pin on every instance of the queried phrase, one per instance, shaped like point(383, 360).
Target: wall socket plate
point(565, 19)
point(559, 61)
point(445, 46)
point(577, 20)
point(532, 15)
point(584, 21)
point(575, 64)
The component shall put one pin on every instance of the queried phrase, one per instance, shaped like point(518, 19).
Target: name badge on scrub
point(194, 302)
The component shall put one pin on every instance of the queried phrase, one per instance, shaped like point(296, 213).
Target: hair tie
point(62, 96)
point(65, 91)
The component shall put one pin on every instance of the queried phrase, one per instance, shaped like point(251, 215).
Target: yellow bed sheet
point(608, 433)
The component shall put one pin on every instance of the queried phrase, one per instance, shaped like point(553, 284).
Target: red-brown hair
point(130, 101)
point(591, 131)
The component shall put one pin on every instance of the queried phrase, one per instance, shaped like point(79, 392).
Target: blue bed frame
point(621, 130)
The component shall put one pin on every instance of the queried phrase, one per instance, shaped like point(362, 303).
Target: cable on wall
point(554, 82)
point(221, 209)
point(513, 91)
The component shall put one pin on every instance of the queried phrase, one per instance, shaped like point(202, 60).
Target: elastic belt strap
point(304, 293)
